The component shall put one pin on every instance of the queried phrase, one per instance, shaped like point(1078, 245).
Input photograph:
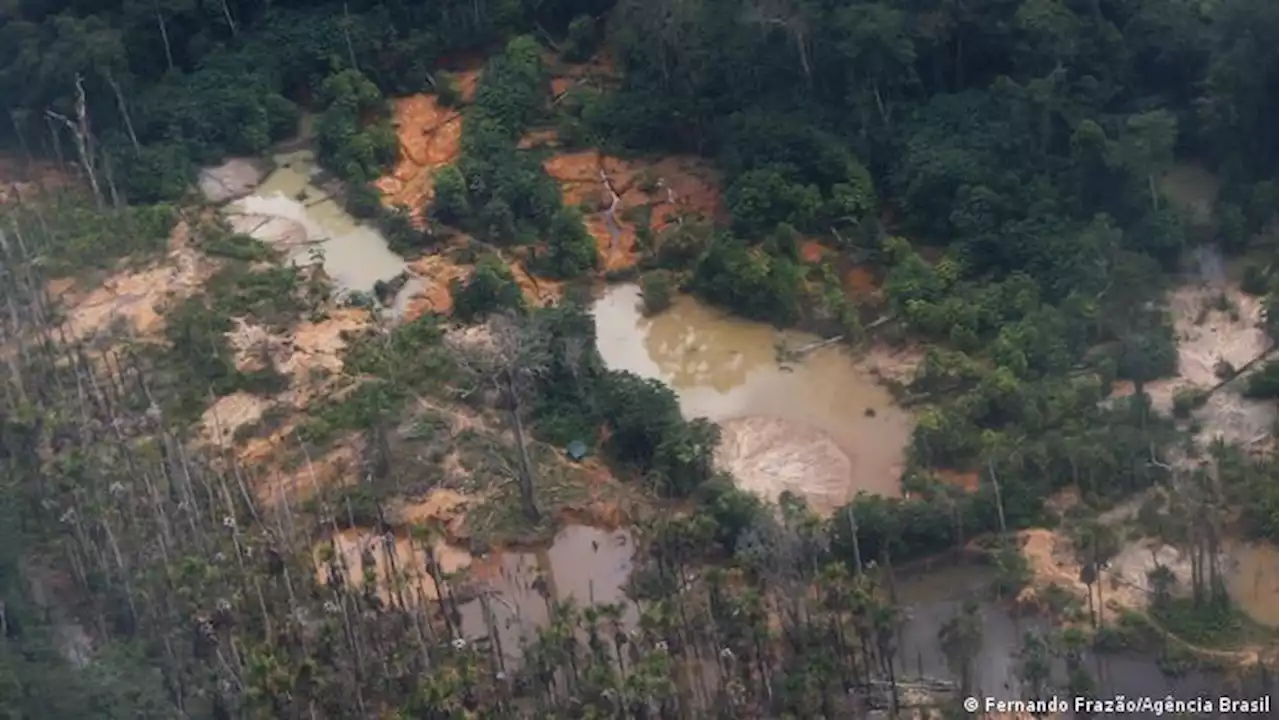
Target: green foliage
point(235, 246)
point(198, 363)
point(87, 239)
point(450, 205)
point(581, 40)
point(490, 289)
point(1185, 400)
point(648, 433)
point(656, 291)
point(1213, 623)
point(354, 139)
point(571, 251)
point(1264, 382)
point(749, 282)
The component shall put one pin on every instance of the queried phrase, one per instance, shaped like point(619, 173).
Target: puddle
point(1252, 582)
point(587, 565)
point(584, 564)
point(930, 600)
point(823, 427)
point(296, 216)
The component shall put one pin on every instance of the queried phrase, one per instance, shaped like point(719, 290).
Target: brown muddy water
point(821, 427)
point(929, 600)
point(290, 211)
point(585, 565)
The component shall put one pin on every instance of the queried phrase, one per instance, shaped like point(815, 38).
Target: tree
point(1146, 146)
point(450, 204)
point(571, 251)
point(490, 289)
point(961, 641)
point(510, 360)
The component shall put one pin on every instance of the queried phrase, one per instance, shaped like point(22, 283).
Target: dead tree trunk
point(527, 501)
point(124, 109)
point(164, 33)
point(84, 139)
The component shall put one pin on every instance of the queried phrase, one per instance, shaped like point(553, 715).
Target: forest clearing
point(391, 360)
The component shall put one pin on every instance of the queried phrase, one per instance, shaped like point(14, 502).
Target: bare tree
point(507, 360)
point(84, 138)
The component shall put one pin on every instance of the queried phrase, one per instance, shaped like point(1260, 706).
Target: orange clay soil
point(430, 137)
point(23, 181)
point(673, 187)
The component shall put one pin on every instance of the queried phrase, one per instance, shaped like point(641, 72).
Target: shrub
point(656, 292)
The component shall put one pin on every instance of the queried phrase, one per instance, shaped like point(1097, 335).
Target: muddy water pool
point(821, 427)
point(290, 211)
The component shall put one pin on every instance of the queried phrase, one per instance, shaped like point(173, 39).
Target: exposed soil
point(969, 481)
point(768, 457)
point(598, 71)
point(1214, 322)
point(410, 559)
point(437, 272)
point(1052, 561)
point(233, 179)
point(611, 190)
point(22, 181)
point(430, 137)
point(229, 413)
point(135, 298)
point(892, 364)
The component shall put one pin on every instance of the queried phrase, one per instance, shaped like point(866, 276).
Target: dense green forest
point(997, 162)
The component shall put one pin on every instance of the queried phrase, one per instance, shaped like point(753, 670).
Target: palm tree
point(961, 639)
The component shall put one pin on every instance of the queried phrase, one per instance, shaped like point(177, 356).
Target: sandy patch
point(1052, 560)
point(282, 233)
point(768, 457)
point(897, 365)
point(339, 467)
point(437, 272)
point(309, 346)
point(229, 413)
point(1252, 580)
point(408, 557)
point(136, 297)
point(1207, 335)
point(233, 179)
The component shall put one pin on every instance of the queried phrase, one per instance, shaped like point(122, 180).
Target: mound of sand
point(278, 232)
point(233, 179)
point(768, 456)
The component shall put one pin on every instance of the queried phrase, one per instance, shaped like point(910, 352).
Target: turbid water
point(290, 211)
point(821, 427)
point(585, 565)
point(930, 600)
